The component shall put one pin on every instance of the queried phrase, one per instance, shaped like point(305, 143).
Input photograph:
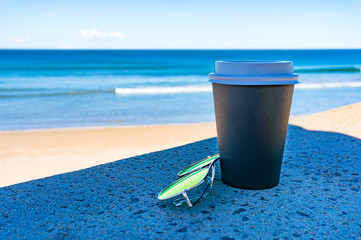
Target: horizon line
point(175, 49)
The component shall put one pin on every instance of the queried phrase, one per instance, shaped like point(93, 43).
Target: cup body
point(252, 121)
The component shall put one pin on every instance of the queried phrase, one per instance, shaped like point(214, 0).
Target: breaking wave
point(328, 85)
point(163, 90)
point(16, 93)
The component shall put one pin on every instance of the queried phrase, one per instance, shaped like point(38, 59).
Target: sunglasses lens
point(198, 165)
point(186, 182)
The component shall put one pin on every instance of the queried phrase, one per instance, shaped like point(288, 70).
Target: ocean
point(82, 88)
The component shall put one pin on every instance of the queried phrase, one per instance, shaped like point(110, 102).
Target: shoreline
point(32, 154)
point(141, 125)
point(126, 126)
point(105, 127)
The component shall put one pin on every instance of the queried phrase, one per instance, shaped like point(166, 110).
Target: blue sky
point(140, 24)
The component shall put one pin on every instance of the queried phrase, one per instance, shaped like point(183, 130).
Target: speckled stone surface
point(319, 197)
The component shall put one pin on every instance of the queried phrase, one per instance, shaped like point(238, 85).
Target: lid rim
point(254, 83)
point(216, 76)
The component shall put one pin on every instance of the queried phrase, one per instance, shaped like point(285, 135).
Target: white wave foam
point(328, 85)
point(162, 90)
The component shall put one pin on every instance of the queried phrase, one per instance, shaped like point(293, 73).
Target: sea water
point(77, 88)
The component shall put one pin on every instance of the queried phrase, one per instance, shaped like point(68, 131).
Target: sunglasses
point(199, 173)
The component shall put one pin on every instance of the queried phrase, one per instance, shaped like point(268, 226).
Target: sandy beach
point(27, 155)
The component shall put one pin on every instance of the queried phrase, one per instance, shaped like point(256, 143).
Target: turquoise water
point(53, 89)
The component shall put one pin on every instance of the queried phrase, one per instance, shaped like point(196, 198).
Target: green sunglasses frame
point(198, 165)
point(187, 173)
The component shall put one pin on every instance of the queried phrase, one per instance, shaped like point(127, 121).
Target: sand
point(346, 120)
point(28, 155)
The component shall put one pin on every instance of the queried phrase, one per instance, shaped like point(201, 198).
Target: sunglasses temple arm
point(209, 184)
point(204, 191)
point(188, 202)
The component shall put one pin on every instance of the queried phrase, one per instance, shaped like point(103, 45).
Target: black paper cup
point(252, 102)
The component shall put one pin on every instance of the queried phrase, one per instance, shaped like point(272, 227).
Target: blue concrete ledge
point(319, 197)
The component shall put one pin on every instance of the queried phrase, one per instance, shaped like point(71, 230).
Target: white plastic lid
point(254, 73)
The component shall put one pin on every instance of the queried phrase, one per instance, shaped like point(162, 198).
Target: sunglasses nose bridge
point(188, 202)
